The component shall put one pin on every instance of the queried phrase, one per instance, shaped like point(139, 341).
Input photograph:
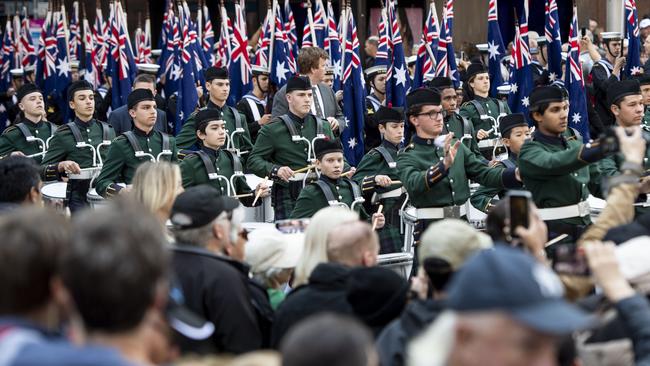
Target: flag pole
point(432, 8)
point(310, 18)
point(272, 19)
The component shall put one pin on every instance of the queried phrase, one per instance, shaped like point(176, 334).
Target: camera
point(610, 143)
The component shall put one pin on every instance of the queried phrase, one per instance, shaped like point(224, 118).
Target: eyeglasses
point(431, 114)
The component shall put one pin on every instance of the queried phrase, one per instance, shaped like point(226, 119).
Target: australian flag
point(290, 28)
point(8, 57)
point(63, 75)
point(554, 48)
point(208, 36)
point(496, 50)
point(633, 59)
point(122, 69)
point(188, 97)
point(280, 69)
point(425, 64)
point(398, 81)
point(240, 65)
point(320, 24)
point(451, 55)
point(382, 49)
point(521, 80)
point(28, 55)
point(333, 46)
point(75, 33)
point(578, 117)
point(354, 95)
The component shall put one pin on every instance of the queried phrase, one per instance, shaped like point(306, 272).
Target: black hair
point(112, 267)
point(327, 339)
point(18, 175)
point(439, 272)
point(32, 241)
point(496, 221)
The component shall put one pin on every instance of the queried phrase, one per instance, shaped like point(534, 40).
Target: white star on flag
point(400, 76)
point(182, 115)
point(493, 49)
point(576, 118)
point(281, 71)
point(176, 72)
point(552, 76)
point(63, 67)
point(636, 70)
point(2, 108)
point(352, 142)
point(525, 102)
point(337, 67)
point(514, 88)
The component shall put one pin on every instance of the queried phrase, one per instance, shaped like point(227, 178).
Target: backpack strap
point(76, 132)
point(387, 157)
point(207, 163)
point(479, 107)
point(329, 195)
point(135, 145)
point(291, 126)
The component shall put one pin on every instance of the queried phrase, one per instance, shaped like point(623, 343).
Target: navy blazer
point(121, 121)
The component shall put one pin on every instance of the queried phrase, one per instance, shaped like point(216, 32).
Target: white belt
point(390, 194)
point(86, 173)
point(581, 209)
point(487, 143)
point(441, 212)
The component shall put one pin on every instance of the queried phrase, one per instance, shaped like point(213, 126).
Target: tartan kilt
point(282, 202)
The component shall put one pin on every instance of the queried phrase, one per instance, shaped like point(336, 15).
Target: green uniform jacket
point(274, 147)
point(556, 170)
point(429, 184)
point(187, 139)
point(121, 163)
point(63, 147)
point(12, 139)
point(469, 111)
point(312, 198)
point(610, 166)
point(482, 198)
point(194, 173)
point(646, 118)
point(454, 123)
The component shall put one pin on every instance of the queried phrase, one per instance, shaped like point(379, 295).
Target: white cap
point(156, 52)
point(504, 89)
point(30, 68)
point(483, 47)
point(74, 64)
point(148, 68)
point(610, 35)
point(17, 72)
point(269, 248)
point(260, 70)
point(645, 23)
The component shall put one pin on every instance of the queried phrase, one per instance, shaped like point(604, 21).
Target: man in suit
point(311, 63)
point(120, 119)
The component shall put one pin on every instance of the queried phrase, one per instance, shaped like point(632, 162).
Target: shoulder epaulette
point(407, 148)
point(9, 129)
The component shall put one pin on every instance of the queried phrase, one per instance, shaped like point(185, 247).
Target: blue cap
point(509, 280)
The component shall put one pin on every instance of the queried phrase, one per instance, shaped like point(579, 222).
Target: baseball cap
point(645, 23)
point(452, 240)
point(182, 319)
point(269, 248)
point(198, 206)
point(509, 280)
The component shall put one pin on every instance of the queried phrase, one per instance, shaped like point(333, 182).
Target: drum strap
point(329, 194)
point(235, 113)
point(135, 145)
point(107, 134)
point(165, 141)
point(25, 131)
point(508, 163)
point(207, 163)
point(76, 132)
point(479, 107)
point(236, 162)
point(387, 157)
point(290, 125)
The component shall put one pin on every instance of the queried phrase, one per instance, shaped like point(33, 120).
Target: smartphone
point(518, 207)
point(567, 258)
point(292, 226)
point(583, 32)
point(462, 55)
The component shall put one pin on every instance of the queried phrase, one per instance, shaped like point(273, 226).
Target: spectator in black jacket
point(208, 264)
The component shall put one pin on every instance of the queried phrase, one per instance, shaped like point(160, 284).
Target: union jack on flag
point(578, 116)
point(521, 80)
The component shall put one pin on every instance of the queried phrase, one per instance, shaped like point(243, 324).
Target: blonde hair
point(315, 250)
point(156, 185)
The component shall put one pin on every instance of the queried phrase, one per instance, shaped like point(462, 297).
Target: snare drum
point(263, 212)
point(54, 195)
point(476, 217)
point(409, 219)
point(94, 199)
point(401, 263)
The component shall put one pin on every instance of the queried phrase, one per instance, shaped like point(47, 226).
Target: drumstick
point(374, 221)
point(259, 191)
point(347, 173)
point(304, 169)
point(244, 195)
point(391, 182)
point(557, 239)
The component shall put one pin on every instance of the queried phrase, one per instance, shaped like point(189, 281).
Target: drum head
point(54, 190)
